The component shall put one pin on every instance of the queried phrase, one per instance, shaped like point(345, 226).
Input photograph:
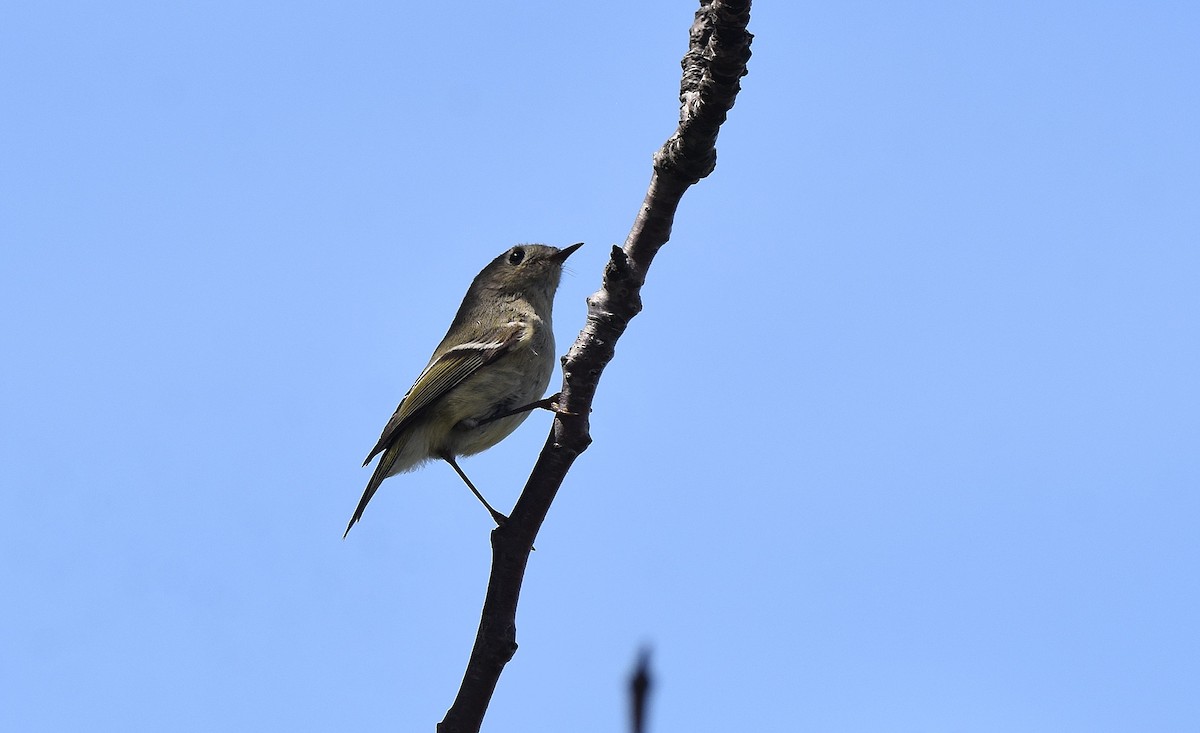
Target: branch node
point(618, 266)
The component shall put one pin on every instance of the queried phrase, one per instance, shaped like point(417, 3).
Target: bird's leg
point(499, 518)
point(550, 403)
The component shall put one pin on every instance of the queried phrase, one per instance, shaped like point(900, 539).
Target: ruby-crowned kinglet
point(485, 376)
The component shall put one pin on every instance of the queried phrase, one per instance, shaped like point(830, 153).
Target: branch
point(715, 62)
point(639, 693)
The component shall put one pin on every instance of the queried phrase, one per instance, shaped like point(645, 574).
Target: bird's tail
point(386, 461)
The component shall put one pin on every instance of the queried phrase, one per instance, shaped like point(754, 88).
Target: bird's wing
point(444, 374)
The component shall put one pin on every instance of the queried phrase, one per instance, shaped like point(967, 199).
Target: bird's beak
point(565, 252)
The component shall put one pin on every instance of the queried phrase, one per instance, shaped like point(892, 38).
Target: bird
point(489, 371)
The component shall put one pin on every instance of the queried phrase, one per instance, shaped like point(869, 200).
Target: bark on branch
point(715, 62)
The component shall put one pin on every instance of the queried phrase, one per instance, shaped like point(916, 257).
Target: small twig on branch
point(715, 62)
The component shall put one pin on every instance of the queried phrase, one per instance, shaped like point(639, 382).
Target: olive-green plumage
point(497, 356)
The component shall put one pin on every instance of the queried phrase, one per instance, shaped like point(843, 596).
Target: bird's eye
point(515, 257)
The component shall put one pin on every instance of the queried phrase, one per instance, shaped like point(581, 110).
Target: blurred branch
point(712, 67)
point(639, 693)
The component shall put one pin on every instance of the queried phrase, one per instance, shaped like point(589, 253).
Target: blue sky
point(905, 438)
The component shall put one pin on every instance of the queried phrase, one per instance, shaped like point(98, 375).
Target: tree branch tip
point(641, 671)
